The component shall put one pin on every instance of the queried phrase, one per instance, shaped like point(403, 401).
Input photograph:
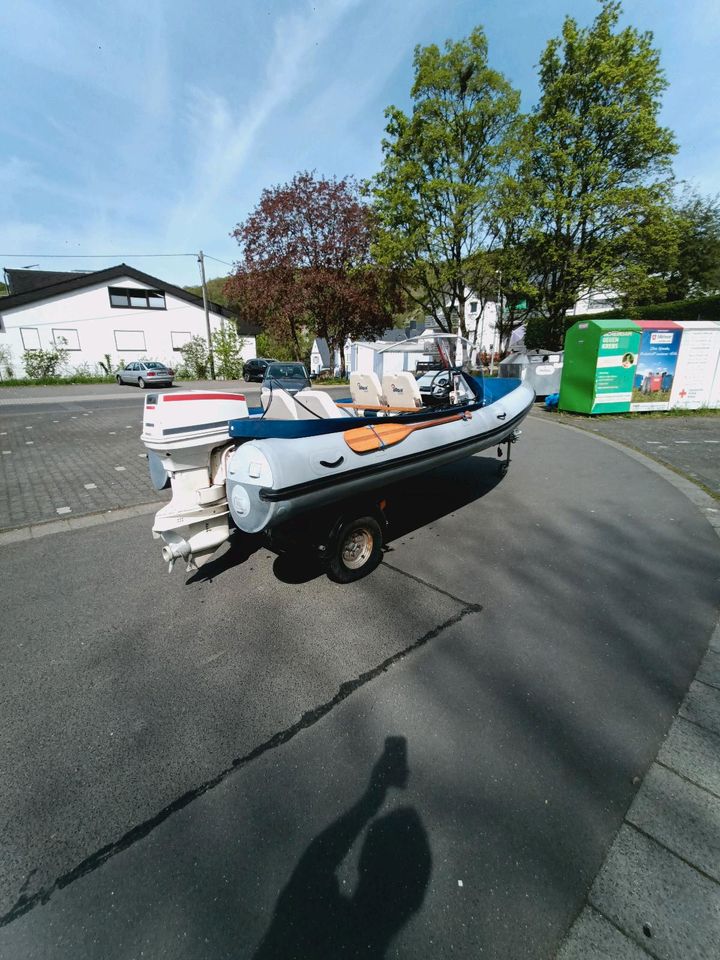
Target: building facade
point(120, 312)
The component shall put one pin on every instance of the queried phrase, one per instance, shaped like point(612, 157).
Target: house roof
point(79, 281)
point(22, 281)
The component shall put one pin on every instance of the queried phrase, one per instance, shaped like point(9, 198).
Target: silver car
point(146, 373)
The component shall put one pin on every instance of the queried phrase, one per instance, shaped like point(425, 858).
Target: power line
point(92, 256)
point(217, 260)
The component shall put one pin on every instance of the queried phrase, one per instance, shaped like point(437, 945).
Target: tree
point(306, 264)
point(215, 290)
point(436, 193)
point(696, 270)
point(598, 175)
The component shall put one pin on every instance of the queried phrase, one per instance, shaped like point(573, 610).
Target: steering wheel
point(440, 384)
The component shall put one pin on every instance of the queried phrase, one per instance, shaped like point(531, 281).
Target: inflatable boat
point(259, 469)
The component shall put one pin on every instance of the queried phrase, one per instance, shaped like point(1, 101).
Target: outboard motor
point(188, 443)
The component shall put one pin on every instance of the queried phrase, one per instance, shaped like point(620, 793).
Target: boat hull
point(271, 480)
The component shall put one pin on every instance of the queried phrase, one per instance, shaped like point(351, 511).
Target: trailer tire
point(357, 550)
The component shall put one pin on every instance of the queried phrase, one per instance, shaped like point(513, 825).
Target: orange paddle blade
point(370, 438)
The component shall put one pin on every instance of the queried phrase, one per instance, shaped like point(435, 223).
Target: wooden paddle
point(368, 439)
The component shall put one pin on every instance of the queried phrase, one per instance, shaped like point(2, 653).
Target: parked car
point(146, 373)
point(255, 369)
point(292, 377)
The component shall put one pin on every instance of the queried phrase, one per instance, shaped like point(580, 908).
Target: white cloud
point(224, 136)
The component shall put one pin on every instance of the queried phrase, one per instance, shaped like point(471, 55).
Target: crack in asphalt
point(308, 719)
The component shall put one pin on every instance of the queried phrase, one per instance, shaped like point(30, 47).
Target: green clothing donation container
point(599, 366)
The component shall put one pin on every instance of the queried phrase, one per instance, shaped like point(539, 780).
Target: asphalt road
point(688, 444)
point(186, 765)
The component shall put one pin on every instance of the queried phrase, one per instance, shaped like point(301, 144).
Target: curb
point(36, 531)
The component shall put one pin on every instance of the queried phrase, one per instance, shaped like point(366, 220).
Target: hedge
point(705, 308)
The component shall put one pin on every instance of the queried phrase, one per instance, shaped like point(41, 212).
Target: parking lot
point(183, 757)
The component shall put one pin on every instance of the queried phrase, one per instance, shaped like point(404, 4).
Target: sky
point(134, 128)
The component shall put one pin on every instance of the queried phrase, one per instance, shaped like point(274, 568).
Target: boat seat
point(312, 404)
point(365, 389)
point(279, 405)
point(401, 390)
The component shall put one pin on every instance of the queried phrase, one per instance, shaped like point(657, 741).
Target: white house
point(118, 311)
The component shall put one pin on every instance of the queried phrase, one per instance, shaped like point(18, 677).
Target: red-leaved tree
point(306, 265)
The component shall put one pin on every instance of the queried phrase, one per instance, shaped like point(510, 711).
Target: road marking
point(73, 418)
point(711, 441)
point(120, 469)
point(86, 414)
point(682, 441)
point(128, 427)
point(56, 421)
point(63, 510)
point(6, 452)
point(112, 433)
point(29, 443)
point(28, 428)
point(90, 486)
point(652, 441)
point(3, 433)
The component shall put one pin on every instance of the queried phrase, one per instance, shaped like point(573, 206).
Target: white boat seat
point(312, 404)
point(401, 390)
point(365, 389)
point(278, 405)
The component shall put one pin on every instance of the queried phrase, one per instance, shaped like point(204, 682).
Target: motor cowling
point(188, 440)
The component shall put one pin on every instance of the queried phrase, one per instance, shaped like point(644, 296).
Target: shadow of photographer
point(314, 919)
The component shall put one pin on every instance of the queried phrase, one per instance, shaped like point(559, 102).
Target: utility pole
point(211, 358)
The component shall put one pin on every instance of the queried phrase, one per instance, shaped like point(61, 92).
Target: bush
point(6, 368)
point(40, 364)
point(227, 349)
point(195, 359)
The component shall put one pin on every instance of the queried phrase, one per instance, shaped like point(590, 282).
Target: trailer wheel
point(357, 550)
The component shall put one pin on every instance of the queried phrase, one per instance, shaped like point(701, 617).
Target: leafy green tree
point(598, 176)
point(436, 193)
point(696, 270)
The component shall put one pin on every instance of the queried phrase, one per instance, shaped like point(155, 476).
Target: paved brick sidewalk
point(80, 460)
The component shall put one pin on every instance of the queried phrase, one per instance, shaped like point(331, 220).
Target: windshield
point(286, 371)
point(152, 365)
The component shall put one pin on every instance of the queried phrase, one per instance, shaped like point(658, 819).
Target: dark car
point(255, 369)
point(146, 373)
point(291, 377)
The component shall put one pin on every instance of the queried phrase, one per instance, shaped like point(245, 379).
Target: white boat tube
point(271, 480)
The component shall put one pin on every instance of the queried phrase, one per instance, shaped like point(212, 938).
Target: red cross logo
point(683, 394)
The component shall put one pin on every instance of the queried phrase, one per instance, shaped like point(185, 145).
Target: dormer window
point(136, 299)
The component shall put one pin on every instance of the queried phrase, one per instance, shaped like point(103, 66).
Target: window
point(137, 299)
point(129, 340)
point(66, 339)
point(473, 306)
point(180, 338)
point(30, 338)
